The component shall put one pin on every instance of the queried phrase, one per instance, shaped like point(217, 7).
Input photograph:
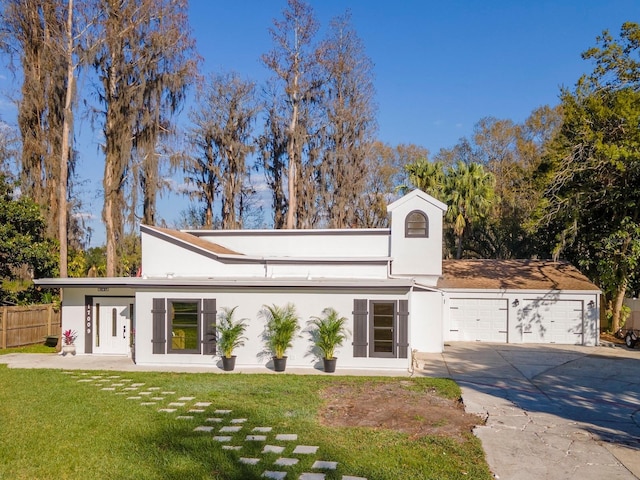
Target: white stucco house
point(392, 285)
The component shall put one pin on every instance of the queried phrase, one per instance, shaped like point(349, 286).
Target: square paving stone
point(117, 384)
point(203, 428)
point(186, 399)
point(130, 388)
point(202, 404)
point(157, 399)
point(185, 417)
point(196, 410)
point(349, 477)
point(113, 376)
point(126, 380)
point(134, 398)
point(276, 475)
point(222, 438)
point(176, 404)
point(222, 412)
point(213, 420)
point(272, 449)
point(286, 462)
point(137, 384)
point(85, 380)
point(287, 437)
point(262, 429)
point(249, 461)
point(168, 410)
point(153, 388)
point(313, 476)
point(238, 420)
point(147, 403)
point(110, 389)
point(231, 447)
point(168, 393)
point(146, 393)
point(324, 465)
point(305, 450)
point(256, 438)
point(230, 429)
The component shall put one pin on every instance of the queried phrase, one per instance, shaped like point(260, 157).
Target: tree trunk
point(617, 303)
point(292, 151)
point(64, 161)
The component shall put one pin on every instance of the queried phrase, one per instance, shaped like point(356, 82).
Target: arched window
point(416, 225)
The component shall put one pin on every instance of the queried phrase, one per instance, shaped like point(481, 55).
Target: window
point(380, 328)
point(184, 326)
point(416, 225)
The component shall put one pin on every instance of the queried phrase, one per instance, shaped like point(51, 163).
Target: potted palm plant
point(329, 333)
point(68, 342)
point(229, 336)
point(282, 325)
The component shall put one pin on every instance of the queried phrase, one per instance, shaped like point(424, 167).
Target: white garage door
point(478, 319)
point(551, 321)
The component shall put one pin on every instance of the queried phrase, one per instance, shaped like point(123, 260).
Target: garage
point(552, 321)
point(518, 301)
point(478, 319)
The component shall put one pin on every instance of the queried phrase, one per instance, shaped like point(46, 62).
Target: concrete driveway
point(553, 412)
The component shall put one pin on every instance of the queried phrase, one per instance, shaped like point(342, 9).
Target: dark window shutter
point(209, 325)
point(158, 316)
point(360, 317)
point(403, 328)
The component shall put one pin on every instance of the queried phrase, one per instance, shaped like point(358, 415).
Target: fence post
point(3, 344)
point(49, 318)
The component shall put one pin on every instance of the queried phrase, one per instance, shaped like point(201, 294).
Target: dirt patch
point(396, 406)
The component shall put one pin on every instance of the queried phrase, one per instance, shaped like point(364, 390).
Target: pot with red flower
point(68, 342)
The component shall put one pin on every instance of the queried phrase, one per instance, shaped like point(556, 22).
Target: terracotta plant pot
point(279, 364)
point(228, 364)
point(329, 364)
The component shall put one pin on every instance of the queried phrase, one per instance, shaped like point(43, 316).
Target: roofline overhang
point(521, 291)
point(143, 283)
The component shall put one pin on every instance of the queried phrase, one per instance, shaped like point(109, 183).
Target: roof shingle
point(512, 274)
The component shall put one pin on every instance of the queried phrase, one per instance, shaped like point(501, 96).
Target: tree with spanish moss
point(144, 58)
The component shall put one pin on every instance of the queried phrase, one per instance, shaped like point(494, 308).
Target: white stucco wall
point(302, 243)
point(73, 309)
point(161, 258)
point(308, 304)
point(416, 256)
point(426, 333)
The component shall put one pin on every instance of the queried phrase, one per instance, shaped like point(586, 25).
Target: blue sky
point(439, 66)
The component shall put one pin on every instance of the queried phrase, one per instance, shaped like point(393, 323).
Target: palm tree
point(469, 195)
point(282, 325)
point(230, 332)
point(330, 331)
point(427, 176)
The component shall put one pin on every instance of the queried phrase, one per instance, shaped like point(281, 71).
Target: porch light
point(515, 303)
point(591, 304)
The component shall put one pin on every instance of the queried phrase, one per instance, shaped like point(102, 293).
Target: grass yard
point(53, 426)
point(36, 348)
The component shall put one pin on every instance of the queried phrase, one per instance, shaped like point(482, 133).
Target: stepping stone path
point(230, 435)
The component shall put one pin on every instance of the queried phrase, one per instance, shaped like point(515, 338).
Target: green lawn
point(52, 426)
point(36, 348)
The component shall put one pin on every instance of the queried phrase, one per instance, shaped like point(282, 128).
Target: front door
point(112, 325)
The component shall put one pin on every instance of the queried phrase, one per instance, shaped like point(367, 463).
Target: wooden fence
point(28, 325)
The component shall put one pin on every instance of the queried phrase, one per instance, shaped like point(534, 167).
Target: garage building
point(518, 301)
